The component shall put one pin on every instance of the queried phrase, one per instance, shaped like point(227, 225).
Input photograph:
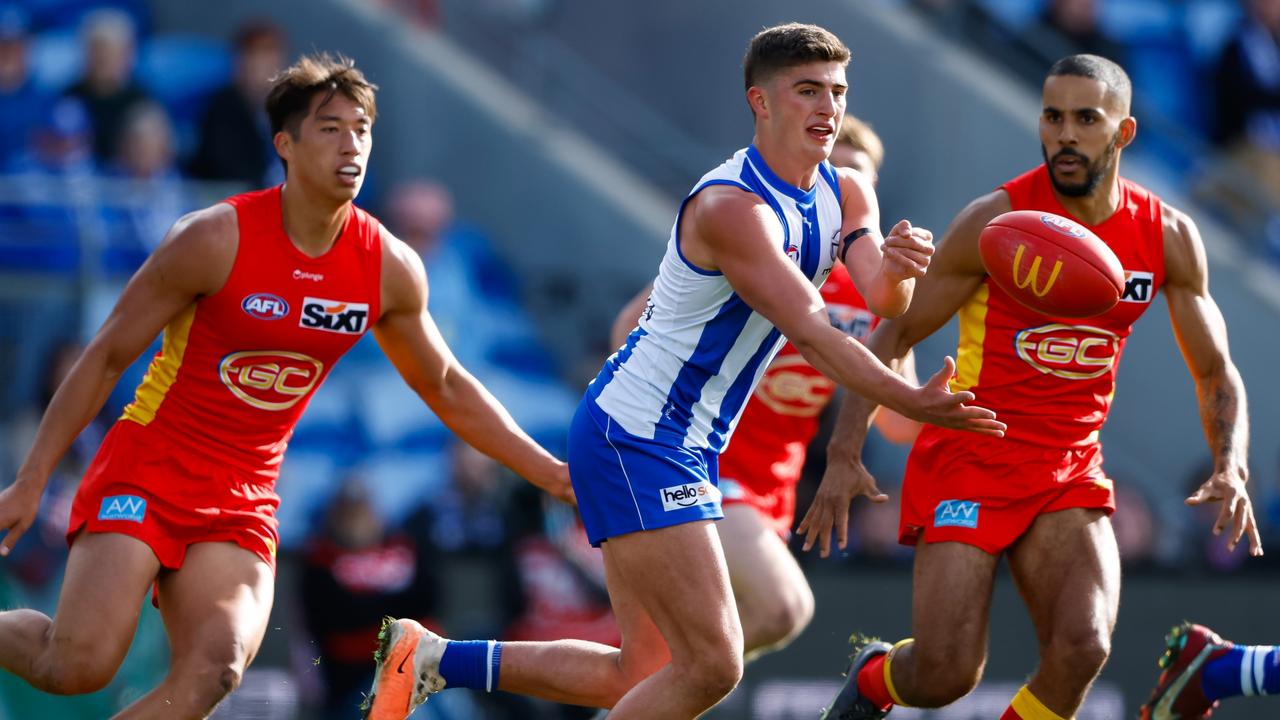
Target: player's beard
point(1094, 171)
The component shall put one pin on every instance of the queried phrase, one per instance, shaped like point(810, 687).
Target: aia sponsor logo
point(265, 306)
point(792, 387)
point(270, 380)
point(334, 316)
point(1063, 225)
point(688, 495)
point(957, 513)
point(1071, 352)
point(1139, 286)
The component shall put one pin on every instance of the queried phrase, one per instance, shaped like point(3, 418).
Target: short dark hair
point(292, 90)
point(783, 46)
point(1096, 67)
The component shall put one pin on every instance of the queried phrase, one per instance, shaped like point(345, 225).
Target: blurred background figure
point(355, 572)
point(1066, 27)
point(21, 101)
point(1247, 83)
point(147, 159)
point(234, 137)
point(106, 85)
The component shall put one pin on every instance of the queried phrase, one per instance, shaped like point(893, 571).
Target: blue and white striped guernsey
point(685, 374)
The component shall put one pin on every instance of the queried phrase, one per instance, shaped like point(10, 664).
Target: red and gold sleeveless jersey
point(1052, 379)
point(782, 416)
point(237, 368)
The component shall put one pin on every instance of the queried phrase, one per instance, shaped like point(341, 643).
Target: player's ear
point(1128, 130)
point(757, 100)
point(283, 142)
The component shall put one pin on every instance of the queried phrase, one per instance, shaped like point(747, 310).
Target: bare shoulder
point(1184, 255)
point(199, 250)
point(404, 278)
point(854, 184)
point(722, 210)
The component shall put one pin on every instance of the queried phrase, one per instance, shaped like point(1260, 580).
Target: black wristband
point(848, 240)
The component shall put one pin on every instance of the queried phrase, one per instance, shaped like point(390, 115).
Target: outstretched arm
point(954, 274)
point(1202, 335)
point(410, 339)
point(195, 259)
point(727, 229)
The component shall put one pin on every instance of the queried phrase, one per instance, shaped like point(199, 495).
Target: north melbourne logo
point(334, 316)
point(678, 497)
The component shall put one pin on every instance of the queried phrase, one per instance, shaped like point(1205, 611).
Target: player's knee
point(74, 670)
point(1084, 652)
point(943, 679)
point(715, 679)
point(786, 618)
point(208, 686)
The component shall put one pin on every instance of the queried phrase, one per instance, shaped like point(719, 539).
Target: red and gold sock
point(1026, 706)
point(875, 682)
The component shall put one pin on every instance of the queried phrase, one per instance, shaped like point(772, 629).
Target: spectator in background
point(1247, 112)
point(235, 139)
point(56, 167)
point(21, 101)
point(106, 86)
point(155, 199)
point(1068, 27)
point(353, 574)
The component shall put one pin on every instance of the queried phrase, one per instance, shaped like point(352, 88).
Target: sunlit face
point(331, 151)
point(845, 155)
point(801, 107)
point(1082, 126)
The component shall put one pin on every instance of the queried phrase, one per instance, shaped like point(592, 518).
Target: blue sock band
point(1245, 670)
point(471, 664)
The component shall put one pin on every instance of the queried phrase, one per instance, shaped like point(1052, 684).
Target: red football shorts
point(775, 501)
point(140, 486)
point(986, 491)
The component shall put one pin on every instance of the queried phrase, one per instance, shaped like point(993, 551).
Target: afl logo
point(1062, 225)
point(265, 306)
point(270, 380)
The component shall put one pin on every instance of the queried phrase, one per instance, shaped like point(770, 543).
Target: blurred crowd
point(106, 131)
point(1206, 84)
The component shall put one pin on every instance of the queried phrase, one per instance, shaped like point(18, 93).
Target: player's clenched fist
point(907, 251)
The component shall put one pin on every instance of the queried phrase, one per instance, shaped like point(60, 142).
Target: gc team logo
point(265, 306)
point(1071, 352)
point(1062, 225)
point(679, 497)
point(270, 380)
point(334, 316)
point(792, 387)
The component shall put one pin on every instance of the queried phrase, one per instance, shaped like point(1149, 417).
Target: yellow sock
point(1028, 707)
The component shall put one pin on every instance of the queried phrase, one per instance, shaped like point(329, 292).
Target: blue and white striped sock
point(1245, 670)
point(471, 664)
